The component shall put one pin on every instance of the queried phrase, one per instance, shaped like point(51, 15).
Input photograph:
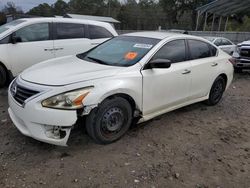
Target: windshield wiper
point(98, 60)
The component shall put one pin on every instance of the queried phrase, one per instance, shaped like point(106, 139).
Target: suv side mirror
point(15, 39)
point(158, 63)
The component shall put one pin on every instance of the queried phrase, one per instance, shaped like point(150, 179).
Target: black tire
point(216, 91)
point(237, 70)
point(110, 121)
point(3, 76)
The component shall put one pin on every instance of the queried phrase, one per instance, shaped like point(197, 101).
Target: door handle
point(214, 64)
point(96, 43)
point(58, 49)
point(186, 71)
point(48, 49)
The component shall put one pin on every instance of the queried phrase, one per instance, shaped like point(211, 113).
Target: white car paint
point(19, 56)
point(220, 42)
point(155, 91)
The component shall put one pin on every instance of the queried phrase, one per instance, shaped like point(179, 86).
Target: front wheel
point(110, 121)
point(216, 91)
point(3, 76)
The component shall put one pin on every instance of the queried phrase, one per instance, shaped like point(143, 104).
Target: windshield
point(120, 51)
point(5, 27)
point(211, 39)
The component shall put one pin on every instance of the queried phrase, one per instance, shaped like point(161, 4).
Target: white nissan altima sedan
point(132, 76)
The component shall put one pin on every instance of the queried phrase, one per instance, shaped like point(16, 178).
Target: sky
point(25, 5)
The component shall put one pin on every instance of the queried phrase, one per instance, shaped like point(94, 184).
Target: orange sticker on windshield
point(130, 55)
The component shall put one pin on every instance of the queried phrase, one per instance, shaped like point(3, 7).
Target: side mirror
point(158, 63)
point(15, 39)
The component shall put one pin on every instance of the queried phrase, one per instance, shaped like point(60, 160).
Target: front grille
point(245, 52)
point(20, 93)
point(245, 62)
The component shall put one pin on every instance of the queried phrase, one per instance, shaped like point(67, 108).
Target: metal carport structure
point(221, 9)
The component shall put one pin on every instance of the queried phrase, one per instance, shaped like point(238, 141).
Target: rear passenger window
point(69, 31)
point(198, 49)
point(97, 32)
point(213, 50)
point(175, 51)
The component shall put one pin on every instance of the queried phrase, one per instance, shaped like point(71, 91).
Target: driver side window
point(35, 32)
point(175, 51)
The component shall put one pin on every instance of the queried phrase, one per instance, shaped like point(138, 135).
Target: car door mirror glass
point(159, 63)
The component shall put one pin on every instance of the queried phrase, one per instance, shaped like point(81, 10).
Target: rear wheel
point(216, 91)
point(3, 76)
point(110, 121)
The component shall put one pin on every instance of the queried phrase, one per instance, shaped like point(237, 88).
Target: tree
point(87, 7)
point(10, 8)
point(42, 10)
point(3, 18)
point(60, 7)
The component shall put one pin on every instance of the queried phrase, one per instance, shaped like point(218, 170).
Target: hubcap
point(112, 121)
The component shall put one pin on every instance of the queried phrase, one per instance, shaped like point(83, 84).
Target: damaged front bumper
point(46, 125)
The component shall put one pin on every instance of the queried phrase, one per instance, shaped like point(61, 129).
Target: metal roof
point(225, 7)
point(95, 18)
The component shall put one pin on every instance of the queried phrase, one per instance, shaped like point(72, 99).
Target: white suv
point(25, 42)
point(132, 76)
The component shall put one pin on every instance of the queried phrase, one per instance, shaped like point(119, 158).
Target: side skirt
point(158, 113)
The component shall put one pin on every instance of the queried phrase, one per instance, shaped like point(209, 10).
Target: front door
point(166, 88)
point(33, 46)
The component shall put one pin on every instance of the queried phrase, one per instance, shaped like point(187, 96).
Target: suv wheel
point(3, 76)
point(216, 91)
point(110, 121)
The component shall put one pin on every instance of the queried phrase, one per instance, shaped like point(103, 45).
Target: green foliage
point(42, 10)
point(3, 18)
point(244, 25)
point(136, 14)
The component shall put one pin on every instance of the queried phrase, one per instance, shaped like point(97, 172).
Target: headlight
point(69, 101)
point(237, 49)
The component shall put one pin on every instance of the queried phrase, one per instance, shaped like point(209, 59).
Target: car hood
point(67, 70)
point(245, 43)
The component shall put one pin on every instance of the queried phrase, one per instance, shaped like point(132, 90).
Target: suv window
point(175, 51)
point(69, 31)
point(35, 32)
point(97, 32)
point(198, 49)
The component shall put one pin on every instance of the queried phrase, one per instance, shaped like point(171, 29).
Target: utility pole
point(109, 7)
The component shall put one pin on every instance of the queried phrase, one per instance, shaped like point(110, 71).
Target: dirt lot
point(196, 146)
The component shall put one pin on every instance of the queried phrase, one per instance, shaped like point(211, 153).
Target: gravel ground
point(196, 146)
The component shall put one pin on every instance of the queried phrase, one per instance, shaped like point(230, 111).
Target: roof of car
point(153, 34)
point(65, 20)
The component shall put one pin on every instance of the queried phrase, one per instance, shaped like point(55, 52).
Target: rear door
point(36, 45)
point(164, 88)
point(70, 39)
point(203, 58)
point(98, 34)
